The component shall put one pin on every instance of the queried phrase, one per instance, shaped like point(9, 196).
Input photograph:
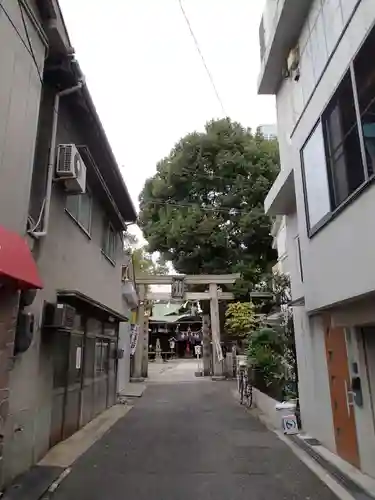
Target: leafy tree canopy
point(203, 210)
point(145, 264)
point(240, 319)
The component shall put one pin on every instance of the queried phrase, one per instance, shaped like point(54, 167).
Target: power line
point(202, 57)
point(31, 51)
point(196, 205)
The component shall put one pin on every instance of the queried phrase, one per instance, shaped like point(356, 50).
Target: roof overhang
point(67, 73)
point(281, 199)
point(285, 29)
point(17, 265)
point(74, 297)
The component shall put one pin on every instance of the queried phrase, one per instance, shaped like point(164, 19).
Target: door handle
point(348, 393)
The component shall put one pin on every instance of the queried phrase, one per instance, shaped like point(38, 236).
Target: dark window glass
point(110, 241)
point(343, 145)
point(98, 357)
point(365, 81)
point(79, 207)
point(89, 363)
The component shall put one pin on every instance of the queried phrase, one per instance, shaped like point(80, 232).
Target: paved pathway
point(190, 441)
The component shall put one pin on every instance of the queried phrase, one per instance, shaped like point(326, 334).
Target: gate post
point(215, 329)
point(206, 341)
point(138, 355)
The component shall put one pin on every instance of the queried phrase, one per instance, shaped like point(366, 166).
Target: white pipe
point(51, 160)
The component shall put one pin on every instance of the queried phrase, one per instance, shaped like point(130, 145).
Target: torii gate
point(178, 283)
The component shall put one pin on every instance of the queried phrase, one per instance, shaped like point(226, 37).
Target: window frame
point(77, 221)
point(312, 229)
point(368, 179)
point(108, 228)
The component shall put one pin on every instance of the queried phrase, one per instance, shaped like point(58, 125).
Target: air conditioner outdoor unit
point(293, 60)
point(59, 316)
point(71, 169)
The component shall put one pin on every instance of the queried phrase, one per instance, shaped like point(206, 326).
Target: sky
point(146, 77)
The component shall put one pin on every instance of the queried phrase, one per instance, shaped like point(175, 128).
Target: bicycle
point(245, 387)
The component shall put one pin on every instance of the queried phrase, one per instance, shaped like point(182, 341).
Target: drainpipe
point(51, 160)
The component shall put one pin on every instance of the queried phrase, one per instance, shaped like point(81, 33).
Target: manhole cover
point(312, 442)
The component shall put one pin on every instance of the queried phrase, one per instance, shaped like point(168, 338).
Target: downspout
point(51, 161)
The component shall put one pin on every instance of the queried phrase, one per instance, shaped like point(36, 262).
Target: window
point(79, 207)
point(365, 84)
point(344, 155)
point(339, 157)
point(110, 242)
point(315, 176)
point(299, 258)
point(281, 242)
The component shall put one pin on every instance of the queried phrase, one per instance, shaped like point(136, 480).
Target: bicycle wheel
point(249, 395)
point(242, 391)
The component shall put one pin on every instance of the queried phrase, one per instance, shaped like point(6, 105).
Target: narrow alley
point(188, 438)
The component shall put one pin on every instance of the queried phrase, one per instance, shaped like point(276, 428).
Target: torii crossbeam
point(178, 283)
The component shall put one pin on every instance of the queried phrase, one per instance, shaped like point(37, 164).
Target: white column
point(138, 355)
point(123, 367)
point(215, 329)
point(206, 343)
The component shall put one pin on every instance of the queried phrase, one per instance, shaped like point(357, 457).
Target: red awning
point(16, 261)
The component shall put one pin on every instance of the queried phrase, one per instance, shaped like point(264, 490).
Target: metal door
point(101, 375)
point(88, 383)
point(73, 390)
point(112, 374)
point(60, 358)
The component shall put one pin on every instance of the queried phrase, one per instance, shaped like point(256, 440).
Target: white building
point(269, 131)
point(325, 93)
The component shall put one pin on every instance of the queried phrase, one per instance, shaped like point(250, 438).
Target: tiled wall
point(320, 34)
point(8, 317)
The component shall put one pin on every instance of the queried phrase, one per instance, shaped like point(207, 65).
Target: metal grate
point(354, 489)
point(65, 159)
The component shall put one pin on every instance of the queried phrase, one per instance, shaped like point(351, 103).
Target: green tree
point(203, 209)
point(240, 319)
point(145, 264)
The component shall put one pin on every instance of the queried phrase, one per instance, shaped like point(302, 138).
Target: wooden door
point(341, 399)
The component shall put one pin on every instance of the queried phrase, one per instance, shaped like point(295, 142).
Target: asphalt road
point(190, 440)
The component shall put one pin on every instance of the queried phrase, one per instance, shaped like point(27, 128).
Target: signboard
point(178, 287)
point(219, 351)
point(290, 425)
point(78, 358)
point(134, 331)
point(198, 350)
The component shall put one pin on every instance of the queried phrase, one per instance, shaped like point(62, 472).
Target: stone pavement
point(190, 440)
point(174, 371)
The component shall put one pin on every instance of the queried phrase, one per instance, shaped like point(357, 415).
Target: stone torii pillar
point(178, 283)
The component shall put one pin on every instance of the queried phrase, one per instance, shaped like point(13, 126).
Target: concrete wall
point(68, 258)
point(337, 261)
point(314, 392)
point(364, 415)
point(20, 89)
point(267, 406)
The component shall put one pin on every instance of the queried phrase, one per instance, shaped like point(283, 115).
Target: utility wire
point(196, 205)
point(31, 51)
point(15, 28)
point(202, 57)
